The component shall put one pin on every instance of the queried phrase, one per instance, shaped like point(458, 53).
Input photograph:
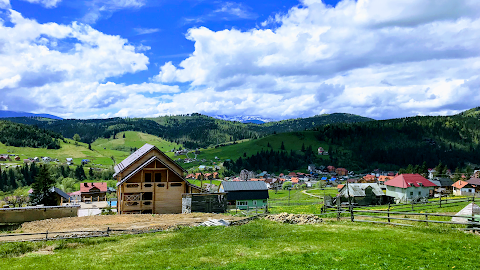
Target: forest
point(191, 130)
point(19, 135)
point(392, 144)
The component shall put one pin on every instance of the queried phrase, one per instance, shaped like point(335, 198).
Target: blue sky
point(277, 59)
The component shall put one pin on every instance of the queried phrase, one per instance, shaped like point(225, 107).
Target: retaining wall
point(25, 214)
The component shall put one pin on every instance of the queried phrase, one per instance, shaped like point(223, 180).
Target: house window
point(264, 201)
point(419, 193)
point(148, 177)
point(242, 203)
point(254, 202)
point(411, 193)
point(158, 177)
point(160, 185)
point(176, 184)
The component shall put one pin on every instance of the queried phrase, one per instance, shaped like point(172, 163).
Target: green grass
point(197, 182)
point(291, 140)
point(261, 245)
point(101, 153)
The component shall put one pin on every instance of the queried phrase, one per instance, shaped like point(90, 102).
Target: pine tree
point(282, 147)
point(89, 147)
point(303, 147)
point(42, 188)
point(124, 135)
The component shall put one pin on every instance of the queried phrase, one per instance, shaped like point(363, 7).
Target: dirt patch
point(135, 222)
point(294, 219)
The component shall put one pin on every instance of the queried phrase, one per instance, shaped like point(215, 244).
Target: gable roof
point(407, 180)
point(358, 189)
point(444, 182)
point(142, 151)
point(383, 178)
point(474, 181)
point(85, 187)
point(244, 186)
point(460, 184)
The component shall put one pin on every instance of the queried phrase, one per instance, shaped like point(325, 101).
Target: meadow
point(260, 244)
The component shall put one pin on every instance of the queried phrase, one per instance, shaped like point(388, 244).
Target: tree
point(282, 147)
point(303, 147)
point(124, 135)
point(89, 147)
point(76, 137)
point(42, 188)
point(287, 185)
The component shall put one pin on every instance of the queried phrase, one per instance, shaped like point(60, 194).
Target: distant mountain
point(8, 114)
point(244, 119)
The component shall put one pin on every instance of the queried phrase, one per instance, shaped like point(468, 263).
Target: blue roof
point(333, 179)
point(324, 178)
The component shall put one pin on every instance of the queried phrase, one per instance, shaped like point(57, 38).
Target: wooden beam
point(155, 169)
point(167, 179)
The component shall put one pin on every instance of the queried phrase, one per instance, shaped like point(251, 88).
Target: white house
point(406, 187)
point(463, 188)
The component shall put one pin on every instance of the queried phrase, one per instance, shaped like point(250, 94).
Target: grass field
point(101, 153)
point(258, 245)
point(291, 140)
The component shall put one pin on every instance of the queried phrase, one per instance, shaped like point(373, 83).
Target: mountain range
point(7, 114)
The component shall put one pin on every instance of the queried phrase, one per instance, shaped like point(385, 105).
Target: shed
point(364, 193)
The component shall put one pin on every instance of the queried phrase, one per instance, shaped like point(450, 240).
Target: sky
point(276, 59)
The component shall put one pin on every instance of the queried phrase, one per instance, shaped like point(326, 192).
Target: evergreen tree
point(282, 147)
point(124, 135)
point(42, 188)
point(89, 147)
point(91, 175)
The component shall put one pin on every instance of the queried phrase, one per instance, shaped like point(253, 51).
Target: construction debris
point(294, 218)
point(215, 222)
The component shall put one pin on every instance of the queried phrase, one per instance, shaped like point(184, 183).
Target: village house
point(151, 182)
point(90, 192)
point(330, 169)
point(321, 150)
point(363, 194)
point(4, 158)
point(60, 196)
point(408, 187)
point(245, 175)
point(476, 174)
point(341, 172)
point(463, 188)
point(444, 185)
point(245, 194)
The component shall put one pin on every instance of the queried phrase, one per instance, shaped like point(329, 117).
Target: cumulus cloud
point(372, 57)
point(37, 74)
point(4, 4)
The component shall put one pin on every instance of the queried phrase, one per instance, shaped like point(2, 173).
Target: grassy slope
point(261, 245)
point(98, 155)
point(291, 140)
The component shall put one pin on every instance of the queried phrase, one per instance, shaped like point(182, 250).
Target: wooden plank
point(381, 222)
point(408, 213)
point(421, 220)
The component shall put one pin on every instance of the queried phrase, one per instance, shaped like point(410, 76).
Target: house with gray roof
point(245, 194)
point(363, 194)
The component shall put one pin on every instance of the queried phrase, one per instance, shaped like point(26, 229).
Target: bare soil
point(135, 222)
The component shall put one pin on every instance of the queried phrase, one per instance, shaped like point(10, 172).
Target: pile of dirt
point(294, 218)
point(119, 222)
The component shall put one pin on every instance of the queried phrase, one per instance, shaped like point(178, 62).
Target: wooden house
point(151, 182)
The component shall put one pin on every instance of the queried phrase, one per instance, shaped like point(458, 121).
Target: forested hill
point(14, 134)
point(387, 144)
point(193, 130)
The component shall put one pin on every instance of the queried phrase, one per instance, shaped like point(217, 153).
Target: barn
point(148, 181)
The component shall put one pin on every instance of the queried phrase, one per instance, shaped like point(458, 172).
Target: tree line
point(19, 135)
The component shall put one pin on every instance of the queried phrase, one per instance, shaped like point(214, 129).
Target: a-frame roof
point(142, 151)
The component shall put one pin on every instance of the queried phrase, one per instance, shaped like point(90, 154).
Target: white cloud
point(372, 57)
point(145, 31)
point(105, 8)
point(64, 70)
point(5, 4)
point(45, 3)
point(236, 10)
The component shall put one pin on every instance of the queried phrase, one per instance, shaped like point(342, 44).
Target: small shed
point(204, 202)
point(245, 194)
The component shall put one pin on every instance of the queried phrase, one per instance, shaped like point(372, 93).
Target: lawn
point(258, 245)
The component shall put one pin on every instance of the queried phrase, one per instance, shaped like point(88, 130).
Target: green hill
point(20, 135)
point(191, 131)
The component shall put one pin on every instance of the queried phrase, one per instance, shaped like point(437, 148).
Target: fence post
point(388, 213)
point(412, 205)
point(351, 213)
point(426, 218)
point(338, 208)
point(46, 235)
point(440, 200)
point(108, 231)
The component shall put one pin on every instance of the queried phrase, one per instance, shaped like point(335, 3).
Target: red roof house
point(406, 187)
point(93, 191)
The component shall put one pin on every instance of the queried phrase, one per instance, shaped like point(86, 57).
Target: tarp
point(469, 210)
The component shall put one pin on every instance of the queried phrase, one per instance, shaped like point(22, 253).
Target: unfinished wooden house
point(151, 182)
